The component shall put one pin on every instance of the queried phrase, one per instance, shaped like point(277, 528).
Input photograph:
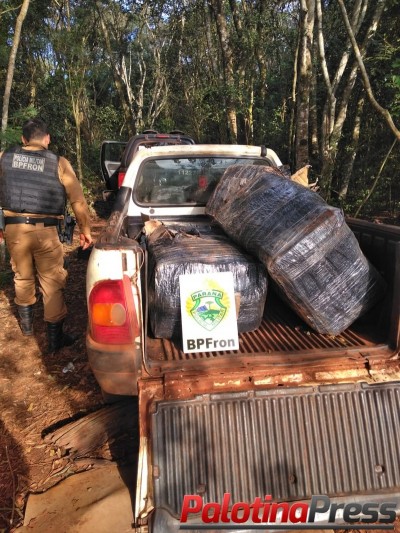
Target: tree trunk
point(75, 103)
point(351, 150)
point(227, 58)
point(248, 121)
point(307, 10)
point(11, 64)
point(118, 81)
point(159, 93)
point(292, 135)
point(211, 57)
point(364, 76)
point(313, 134)
point(331, 138)
point(333, 118)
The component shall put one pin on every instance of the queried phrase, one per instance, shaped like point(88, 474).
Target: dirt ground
point(39, 392)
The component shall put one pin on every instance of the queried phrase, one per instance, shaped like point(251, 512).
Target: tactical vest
point(29, 182)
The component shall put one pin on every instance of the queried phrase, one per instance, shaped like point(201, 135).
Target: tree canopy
point(316, 80)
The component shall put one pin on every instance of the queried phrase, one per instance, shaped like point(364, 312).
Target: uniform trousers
point(37, 250)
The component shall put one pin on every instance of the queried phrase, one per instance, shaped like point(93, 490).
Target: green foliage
point(71, 72)
point(393, 83)
point(92, 186)
point(6, 274)
point(10, 136)
point(107, 121)
point(4, 54)
point(6, 278)
point(13, 133)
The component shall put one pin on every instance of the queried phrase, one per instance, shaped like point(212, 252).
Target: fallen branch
point(81, 437)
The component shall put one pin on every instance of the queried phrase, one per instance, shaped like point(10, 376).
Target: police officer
point(34, 186)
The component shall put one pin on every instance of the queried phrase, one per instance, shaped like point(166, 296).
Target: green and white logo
point(209, 307)
point(209, 322)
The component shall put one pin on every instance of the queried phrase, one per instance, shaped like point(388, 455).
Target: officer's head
point(35, 129)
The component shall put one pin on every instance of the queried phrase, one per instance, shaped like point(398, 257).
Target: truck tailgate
point(292, 443)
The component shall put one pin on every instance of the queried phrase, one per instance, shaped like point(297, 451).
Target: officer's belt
point(47, 221)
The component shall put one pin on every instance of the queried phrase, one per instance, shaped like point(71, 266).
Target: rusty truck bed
point(291, 413)
point(288, 442)
point(281, 332)
point(284, 340)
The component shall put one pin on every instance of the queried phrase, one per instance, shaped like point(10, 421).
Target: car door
point(110, 159)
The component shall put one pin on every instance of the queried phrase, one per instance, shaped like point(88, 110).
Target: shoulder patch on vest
point(28, 162)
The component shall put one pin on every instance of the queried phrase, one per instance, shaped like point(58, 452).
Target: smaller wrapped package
point(305, 244)
point(172, 253)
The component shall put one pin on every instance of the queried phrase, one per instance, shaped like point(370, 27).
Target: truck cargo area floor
point(281, 332)
point(338, 441)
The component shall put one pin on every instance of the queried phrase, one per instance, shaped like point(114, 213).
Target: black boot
point(57, 339)
point(26, 318)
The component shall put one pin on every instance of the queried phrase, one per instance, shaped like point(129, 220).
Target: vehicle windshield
point(184, 180)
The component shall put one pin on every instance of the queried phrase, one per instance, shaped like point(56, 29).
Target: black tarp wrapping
point(173, 253)
point(309, 251)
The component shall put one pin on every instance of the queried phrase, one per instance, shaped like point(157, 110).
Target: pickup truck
point(289, 415)
point(115, 156)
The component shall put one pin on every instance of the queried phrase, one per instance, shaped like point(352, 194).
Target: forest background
point(318, 81)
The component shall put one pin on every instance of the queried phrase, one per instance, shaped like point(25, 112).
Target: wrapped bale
point(309, 251)
point(173, 253)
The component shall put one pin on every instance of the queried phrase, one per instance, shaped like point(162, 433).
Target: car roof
point(213, 150)
point(149, 139)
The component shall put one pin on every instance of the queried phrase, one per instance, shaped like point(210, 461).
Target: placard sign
point(208, 312)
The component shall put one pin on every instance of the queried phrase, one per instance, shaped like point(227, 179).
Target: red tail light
point(203, 182)
point(121, 176)
point(112, 313)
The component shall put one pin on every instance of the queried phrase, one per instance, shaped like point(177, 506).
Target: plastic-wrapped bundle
point(308, 249)
point(174, 253)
